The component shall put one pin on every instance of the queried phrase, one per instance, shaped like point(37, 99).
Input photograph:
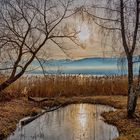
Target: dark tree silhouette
point(25, 28)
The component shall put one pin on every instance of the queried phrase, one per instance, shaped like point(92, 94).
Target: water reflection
point(74, 122)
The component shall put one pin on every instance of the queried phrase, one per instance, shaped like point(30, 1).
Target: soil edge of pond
point(128, 129)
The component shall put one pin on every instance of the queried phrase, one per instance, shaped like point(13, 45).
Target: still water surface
point(73, 122)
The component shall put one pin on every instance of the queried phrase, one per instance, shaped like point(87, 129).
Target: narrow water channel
point(73, 122)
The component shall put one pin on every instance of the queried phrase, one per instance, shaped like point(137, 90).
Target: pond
point(73, 122)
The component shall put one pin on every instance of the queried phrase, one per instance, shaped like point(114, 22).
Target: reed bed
point(69, 85)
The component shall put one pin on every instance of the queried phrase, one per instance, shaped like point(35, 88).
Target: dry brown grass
point(12, 111)
point(68, 86)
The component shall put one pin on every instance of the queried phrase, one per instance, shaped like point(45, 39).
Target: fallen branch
point(40, 99)
point(27, 121)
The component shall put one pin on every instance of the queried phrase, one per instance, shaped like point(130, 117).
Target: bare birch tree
point(120, 21)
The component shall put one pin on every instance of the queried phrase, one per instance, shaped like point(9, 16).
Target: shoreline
point(117, 118)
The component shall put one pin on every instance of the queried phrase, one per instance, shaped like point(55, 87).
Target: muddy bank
point(129, 129)
point(11, 112)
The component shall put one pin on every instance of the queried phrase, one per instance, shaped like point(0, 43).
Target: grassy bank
point(14, 110)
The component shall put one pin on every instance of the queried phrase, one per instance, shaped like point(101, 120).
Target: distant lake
point(92, 66)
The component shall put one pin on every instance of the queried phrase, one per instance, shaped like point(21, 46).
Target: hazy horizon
point(93, 66)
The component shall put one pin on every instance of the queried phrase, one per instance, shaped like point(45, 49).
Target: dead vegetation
point(72, 89)
point(68, 86)
point(12, 111)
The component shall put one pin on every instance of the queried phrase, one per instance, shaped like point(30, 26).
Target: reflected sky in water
point(74, 122)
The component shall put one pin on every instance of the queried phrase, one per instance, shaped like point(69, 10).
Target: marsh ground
point(14, 110)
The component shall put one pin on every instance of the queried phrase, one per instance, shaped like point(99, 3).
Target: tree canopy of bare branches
point(26, 27)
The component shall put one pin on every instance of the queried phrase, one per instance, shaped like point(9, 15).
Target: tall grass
point(69, 85)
